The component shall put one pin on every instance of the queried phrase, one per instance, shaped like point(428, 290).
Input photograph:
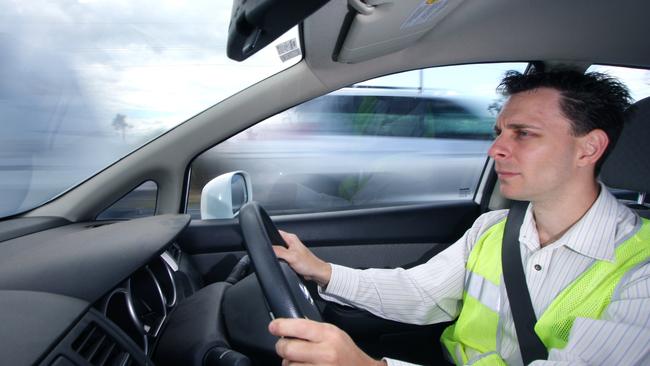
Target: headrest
point(628, 165)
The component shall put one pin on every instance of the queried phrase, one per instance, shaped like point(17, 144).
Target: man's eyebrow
point(520, 126)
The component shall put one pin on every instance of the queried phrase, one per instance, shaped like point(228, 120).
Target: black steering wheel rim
point(284, 291)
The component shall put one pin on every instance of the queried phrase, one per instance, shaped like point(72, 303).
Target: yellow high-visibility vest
point(473, 338)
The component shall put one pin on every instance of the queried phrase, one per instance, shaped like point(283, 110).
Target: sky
point(157, 62)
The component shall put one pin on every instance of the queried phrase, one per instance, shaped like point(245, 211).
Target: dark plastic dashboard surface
point(32, 321)
point(26, 225)
point(85, 260)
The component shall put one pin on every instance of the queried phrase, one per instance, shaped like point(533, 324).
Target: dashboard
point(97, 293)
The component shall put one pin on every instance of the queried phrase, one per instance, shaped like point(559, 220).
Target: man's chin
point(511, 194)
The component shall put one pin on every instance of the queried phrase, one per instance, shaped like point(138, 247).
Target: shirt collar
point(594, 235)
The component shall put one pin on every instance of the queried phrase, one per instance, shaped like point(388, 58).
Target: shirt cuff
point(392, 362)
point(343, 284)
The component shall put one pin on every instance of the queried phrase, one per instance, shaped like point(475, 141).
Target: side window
point(636, 80)
point(140, 202)
point(409, 138)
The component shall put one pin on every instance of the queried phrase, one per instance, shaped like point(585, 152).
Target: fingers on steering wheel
point(299, 351)
point(280, 251)
point(289, 238)
point(298, 328)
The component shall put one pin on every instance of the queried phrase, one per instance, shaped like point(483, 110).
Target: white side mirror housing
point(223, 196)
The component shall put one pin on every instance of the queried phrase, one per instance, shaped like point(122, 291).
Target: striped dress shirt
point(432, 292)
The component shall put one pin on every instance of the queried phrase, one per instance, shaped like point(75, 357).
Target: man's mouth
point(506, 174)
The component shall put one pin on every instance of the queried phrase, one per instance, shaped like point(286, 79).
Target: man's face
point(535, 152)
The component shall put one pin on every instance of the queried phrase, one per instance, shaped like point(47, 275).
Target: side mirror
point(223, 196)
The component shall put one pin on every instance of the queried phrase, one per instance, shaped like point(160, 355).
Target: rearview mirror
point(223, 196)
point(256, 23)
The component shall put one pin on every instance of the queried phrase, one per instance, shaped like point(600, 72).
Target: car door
point(379, 175)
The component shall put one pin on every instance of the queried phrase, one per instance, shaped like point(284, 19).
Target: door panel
point(386, 237)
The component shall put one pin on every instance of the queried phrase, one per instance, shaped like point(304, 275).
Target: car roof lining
point(474, 33)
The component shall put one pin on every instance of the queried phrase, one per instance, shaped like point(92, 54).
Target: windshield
point(86, 82)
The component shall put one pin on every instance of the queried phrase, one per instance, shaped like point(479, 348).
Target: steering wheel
point(285, 292)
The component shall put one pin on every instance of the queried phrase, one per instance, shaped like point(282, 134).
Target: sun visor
point(379, 27)
point(254, 24)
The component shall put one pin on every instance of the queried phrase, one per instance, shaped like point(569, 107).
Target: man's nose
point(499, 149)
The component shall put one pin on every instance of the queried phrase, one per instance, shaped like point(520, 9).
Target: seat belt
point(514, 278)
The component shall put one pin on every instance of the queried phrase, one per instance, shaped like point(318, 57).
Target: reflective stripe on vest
point(473, 338)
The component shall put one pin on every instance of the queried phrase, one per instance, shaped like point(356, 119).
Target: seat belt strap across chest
point(514, 278)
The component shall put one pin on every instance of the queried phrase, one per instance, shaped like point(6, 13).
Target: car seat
point(628, 165)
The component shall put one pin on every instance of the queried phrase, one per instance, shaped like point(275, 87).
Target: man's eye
point(523, 133)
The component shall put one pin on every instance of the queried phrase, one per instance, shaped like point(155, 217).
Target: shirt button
point(538, 267)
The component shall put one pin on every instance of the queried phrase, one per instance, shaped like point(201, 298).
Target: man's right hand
point(302, 260)
point(306, 342)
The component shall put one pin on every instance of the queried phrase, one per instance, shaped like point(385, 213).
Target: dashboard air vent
point(175, 252)
point(97, 347)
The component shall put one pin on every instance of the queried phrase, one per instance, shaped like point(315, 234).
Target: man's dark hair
point(590, 101)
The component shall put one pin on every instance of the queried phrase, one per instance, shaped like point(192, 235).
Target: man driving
point(584, 255)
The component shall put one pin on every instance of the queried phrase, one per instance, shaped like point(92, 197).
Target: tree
point(120, 124)
point(495, 107)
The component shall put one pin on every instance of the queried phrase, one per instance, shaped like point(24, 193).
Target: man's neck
point(556, 216)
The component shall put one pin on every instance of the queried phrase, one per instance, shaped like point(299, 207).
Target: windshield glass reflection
point(84, 83)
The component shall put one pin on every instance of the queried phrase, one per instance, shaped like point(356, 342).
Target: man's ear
point(591, 147)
